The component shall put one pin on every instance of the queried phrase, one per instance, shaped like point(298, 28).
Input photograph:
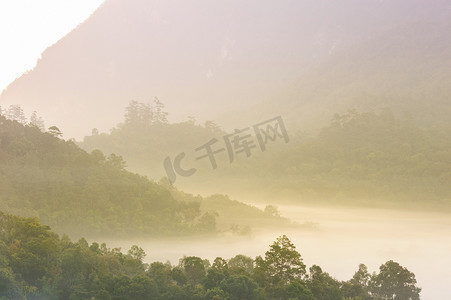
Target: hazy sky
point(28, 27)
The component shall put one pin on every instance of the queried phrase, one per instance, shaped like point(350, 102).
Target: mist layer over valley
point(236, 150)
point(339, 239)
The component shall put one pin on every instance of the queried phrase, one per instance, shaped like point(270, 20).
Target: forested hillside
point(89, 194)
point(145, 137)
point(361, 157)
point(36, 264)
point(369, 158)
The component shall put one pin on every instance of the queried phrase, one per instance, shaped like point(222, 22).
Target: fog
point(252, 58)
point(342, 239)
point(211, 128)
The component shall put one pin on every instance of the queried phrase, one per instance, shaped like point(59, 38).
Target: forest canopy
point(82, 193)
point(365, 158)
point(36, 263)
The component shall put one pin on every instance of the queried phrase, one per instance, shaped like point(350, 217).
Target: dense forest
point(361, 157)
point(195, 149)
point(145, 137)
point(35, 263)
point(368, 157)
point(89, 194)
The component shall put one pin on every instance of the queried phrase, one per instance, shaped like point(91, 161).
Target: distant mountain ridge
point(406, 69)
point(202, 58)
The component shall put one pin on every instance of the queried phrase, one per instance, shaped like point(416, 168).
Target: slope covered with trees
point(145, 137)
point(371, 158)
point(368, 157)
point(89, 194)
point(36, 264)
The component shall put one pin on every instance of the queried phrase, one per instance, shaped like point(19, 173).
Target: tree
point(357, 286)
point(9, 287)
point(193, 268)
point(394, 282)
point(216, 294)
point(161, 274)
point(137, 253)
point(240, 287)
point(15, 113)
point(323, 286)
point(29, 249)
point(299, 290)
point(141, 287)
point(241, 264)
point(161, 116)
point(139, 114)
point(281, 266)
point(116, 161)
point(216, 274)
point(207, 222)
point(272, 211)
point(55, 131)
point(361, 277)
point(220, 264)
point(283, 262)
point(98, 156)
point(178, 274)
point(37, 121)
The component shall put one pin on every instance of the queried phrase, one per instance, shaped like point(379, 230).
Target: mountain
point(365, 159)
point(359, 158)
point(86, 194)
point(405, 68)
point(208, 59)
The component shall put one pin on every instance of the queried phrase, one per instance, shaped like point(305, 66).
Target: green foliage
point(361, 158)
point(240, 287)
point(272, 211)
point(369, 156)
point(194, 269)
point(299, 290)
point(55, 131)
point(52, 268)
point(15, 113)
point(137, 253)
point(145, 138)
point(241, 264)
point(80, 193)
point(238, 217)
point(366, 158)
point(281, 266)
point(282, 263)
point(394, 282)
point(323, 286)
point(357, 286)
point(93, 195)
